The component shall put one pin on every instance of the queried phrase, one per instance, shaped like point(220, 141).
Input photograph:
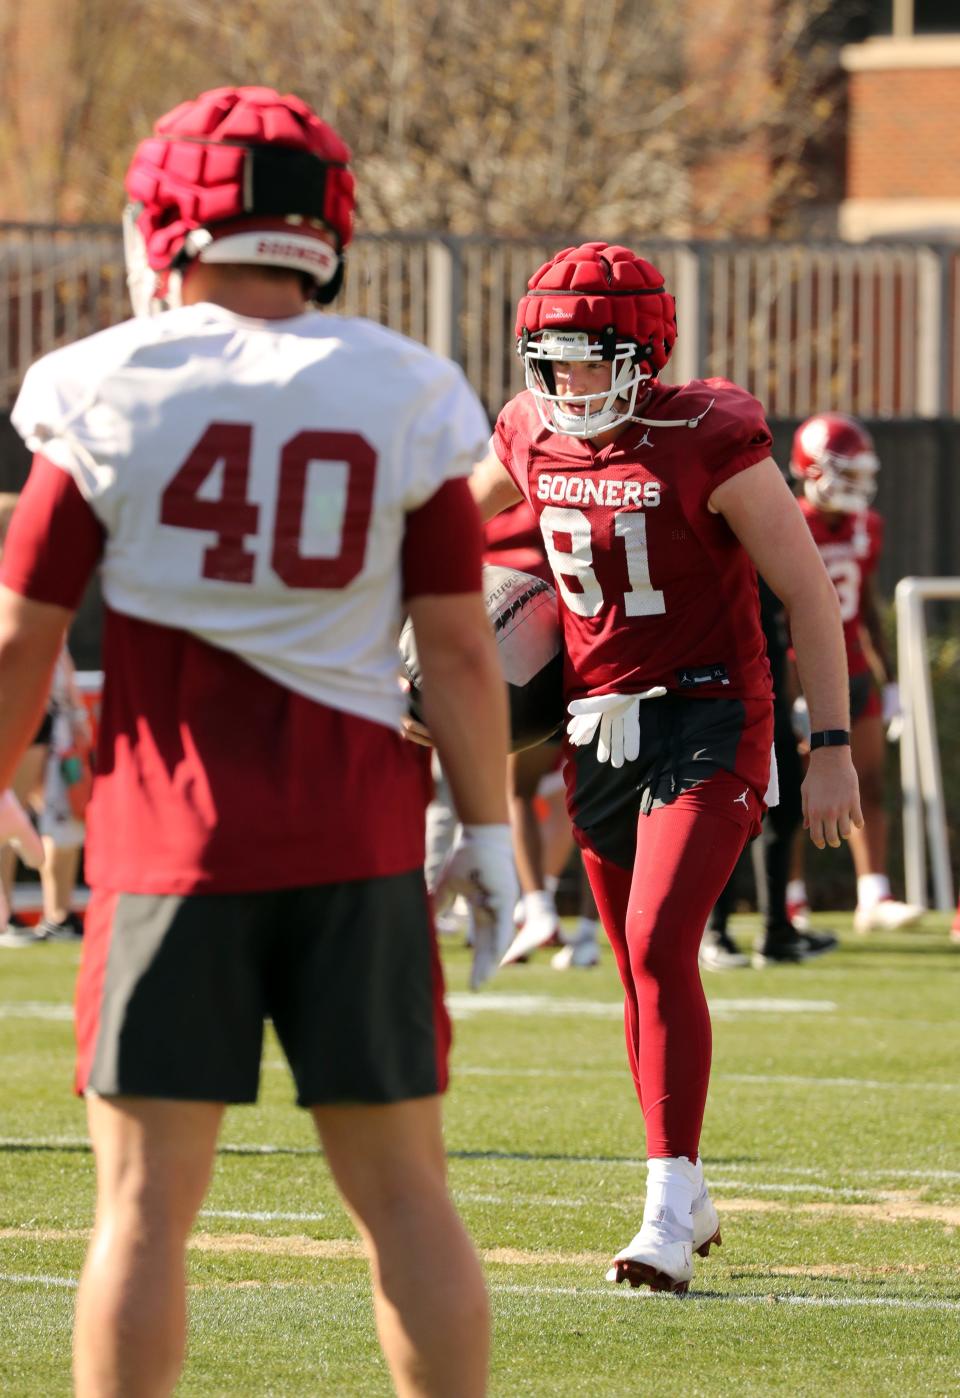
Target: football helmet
point(239, 174)
point(590, 304)
point(834, 456)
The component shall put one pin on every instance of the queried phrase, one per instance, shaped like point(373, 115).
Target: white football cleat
point(15, 935)
point(798, 915)
point(886, 916)
point(658, 1257)
point(583, 952)
point(719, 952)
point(540, 930)
point(706, 1224)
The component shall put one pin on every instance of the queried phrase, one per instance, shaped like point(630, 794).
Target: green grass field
point(832, 1146)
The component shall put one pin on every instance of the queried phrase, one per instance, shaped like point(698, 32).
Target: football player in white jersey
point(265, 489)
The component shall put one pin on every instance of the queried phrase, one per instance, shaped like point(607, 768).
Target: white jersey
point(252, 478)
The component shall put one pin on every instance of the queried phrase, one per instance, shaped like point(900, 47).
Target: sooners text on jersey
point(653, 588)
point(850, 546)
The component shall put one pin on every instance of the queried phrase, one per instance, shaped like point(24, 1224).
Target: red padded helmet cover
point(597, 286)
point(190, 174)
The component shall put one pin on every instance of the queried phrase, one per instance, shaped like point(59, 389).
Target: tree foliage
point(466, 116)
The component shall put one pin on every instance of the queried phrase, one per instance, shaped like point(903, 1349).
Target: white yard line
point(463, 1004)
point(761, 1079)
point(773, 1178)
point(262, 1215)
point(610, 1293)
point(618, 1294)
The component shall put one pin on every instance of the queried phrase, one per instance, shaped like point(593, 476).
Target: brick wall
point(904, 134)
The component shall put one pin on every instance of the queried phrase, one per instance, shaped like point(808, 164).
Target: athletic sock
point(872, 889)
point(672, 1186)
point(796, 891)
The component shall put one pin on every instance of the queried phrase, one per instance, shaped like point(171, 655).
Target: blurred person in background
point(40, 785)
point(658, 504)
point(834, 459)
point(780, 942)
point(255, 842)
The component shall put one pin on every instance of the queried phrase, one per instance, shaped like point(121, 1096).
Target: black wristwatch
point(830, 738)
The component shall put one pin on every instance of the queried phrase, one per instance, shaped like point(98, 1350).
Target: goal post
point(921, 775)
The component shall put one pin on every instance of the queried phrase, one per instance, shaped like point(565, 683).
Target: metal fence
point(868, 329)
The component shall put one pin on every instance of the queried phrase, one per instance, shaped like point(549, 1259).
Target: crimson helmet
point(239, 174)
point(835, 458)
point(588, 304)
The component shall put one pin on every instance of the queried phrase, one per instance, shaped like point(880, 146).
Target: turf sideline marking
point(773, 1079)
point(262, 1215)
point(791, 1171)
point(882, 1302)
point(463, 1005)
point(504, 1289)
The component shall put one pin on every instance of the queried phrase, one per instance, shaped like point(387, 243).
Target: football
point(523, 613)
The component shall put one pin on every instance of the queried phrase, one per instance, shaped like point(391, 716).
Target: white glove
point(618, 718)
point(892, 711)
point(480, 867)
point(800, 720)
point(17, 830)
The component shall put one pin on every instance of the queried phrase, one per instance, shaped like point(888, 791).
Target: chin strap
point(673, 422)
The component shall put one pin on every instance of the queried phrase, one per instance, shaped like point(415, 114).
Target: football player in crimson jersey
point(833, 457)
point(658, 505)
point(255, 837)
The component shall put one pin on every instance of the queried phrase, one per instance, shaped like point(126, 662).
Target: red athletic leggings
point(654, 917)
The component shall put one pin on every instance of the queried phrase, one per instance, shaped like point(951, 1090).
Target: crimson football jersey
point(653, 588)
point(512, 539)
point(850, 546)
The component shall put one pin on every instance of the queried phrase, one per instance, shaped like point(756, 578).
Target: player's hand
point(415, 732)
point(480, 867)
point(831, 797)
point(618, 718)
point(16, 829)
point(892, 711)
point(411, 728)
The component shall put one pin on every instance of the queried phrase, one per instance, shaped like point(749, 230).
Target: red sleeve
point(738, 434)
point(443, 544)
point(54, 542)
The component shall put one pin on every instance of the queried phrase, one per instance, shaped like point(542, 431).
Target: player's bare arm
point(492, 486)
point(31, 636)
point(758, 506)
point(464, 701)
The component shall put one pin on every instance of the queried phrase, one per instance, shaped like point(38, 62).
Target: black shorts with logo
point(174, 991)
point(683, 743)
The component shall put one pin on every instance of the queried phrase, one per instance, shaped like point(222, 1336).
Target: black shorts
point(44, 732)
point(173, 993)
point(865, 699)
point(683, 743)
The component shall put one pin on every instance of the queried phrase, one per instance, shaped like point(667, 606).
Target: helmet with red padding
point(593, 303)
point(238, 174)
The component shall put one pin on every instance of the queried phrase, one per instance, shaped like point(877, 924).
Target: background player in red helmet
point(255, 837)
point(834, 458)
point(657, 505)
